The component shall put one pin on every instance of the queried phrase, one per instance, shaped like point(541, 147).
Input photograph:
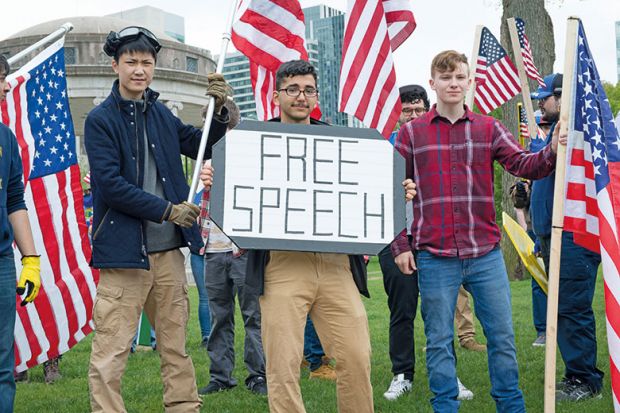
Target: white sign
point(310, 188)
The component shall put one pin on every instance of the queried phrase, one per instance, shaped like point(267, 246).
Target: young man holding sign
point(324, 285)
point(449, 153)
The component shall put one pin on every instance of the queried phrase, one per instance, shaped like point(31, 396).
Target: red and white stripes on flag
point(592, 182)
point(61, 315)
point(368, 88)
point(497, 79)
point(526, 52)
point(269, 33)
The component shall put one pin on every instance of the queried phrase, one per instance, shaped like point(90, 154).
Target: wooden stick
point(558, 215)
point(525, 86)
point(469, 98)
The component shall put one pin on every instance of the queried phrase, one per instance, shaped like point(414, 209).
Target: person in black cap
point(141, 219)
point(578, 269)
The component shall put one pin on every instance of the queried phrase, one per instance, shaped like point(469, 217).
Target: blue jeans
point(204, 316)
point(313, 350)
point(539, 308)
point(7, 326)
point(486, 279)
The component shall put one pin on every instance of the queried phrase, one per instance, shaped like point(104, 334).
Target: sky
point(441, 24)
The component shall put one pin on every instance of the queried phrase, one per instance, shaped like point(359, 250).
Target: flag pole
point(64, 29)
point(525, 86)
point(211, 104)
point(557, 222)
point(469, 98)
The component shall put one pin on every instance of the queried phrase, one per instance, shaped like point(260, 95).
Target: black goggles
point(116, 40)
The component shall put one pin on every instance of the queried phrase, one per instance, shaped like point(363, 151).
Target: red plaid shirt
point(452, 165)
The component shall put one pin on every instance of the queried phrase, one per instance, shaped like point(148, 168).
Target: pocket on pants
point(179, 309)
point(107, 310)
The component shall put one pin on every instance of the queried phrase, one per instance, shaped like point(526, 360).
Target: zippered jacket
point(114, 140)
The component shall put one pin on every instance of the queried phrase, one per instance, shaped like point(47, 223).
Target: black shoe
point(257, 385)
point(575, 390)
point(563, 384)
point(214, 387)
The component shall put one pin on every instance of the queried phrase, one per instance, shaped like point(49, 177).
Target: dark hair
point(5, 67)
point(294, 68)
point(140, 44)
point(415, 95)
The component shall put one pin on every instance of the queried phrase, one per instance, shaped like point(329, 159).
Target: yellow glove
point(30, 278)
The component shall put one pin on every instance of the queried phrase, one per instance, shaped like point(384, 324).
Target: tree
point(539, 30)
point(613, 94)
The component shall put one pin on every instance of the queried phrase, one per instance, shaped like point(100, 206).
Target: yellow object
point(30, 277)
point(525, 248)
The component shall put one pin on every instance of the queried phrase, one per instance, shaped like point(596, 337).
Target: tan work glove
point(184, 214)
point(219, 89)
point(30, 278)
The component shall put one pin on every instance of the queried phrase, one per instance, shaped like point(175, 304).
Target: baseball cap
point(553, 86)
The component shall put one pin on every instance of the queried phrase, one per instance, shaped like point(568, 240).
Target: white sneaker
point(399, 386)
point(464, 392)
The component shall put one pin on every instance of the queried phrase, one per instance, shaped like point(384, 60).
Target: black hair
point(416, 96)
point(140, 44)
point(5, 67)
point(294, 68)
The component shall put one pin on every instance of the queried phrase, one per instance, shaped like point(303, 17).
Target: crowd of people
point(305, 307)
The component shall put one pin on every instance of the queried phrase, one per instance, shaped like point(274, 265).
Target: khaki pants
point(121, 296)
point(464, 317)
point(301, 283)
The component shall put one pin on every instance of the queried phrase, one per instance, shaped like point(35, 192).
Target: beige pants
point(121, 296)
point(298, 284)
point(464, 317)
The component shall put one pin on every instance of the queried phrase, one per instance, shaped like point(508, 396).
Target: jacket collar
point(149, 94)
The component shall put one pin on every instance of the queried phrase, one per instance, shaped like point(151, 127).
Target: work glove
point(219, 89)
point(30, 278)
point(184, 214)
point(519, 195)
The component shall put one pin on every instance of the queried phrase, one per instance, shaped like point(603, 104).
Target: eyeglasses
point(295, 91)
point(418, 111)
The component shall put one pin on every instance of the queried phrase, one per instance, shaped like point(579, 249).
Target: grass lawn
point(142, 388)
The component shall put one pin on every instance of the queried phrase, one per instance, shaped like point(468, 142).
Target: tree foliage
point(613, 94)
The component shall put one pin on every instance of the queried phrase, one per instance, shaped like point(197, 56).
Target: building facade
point(180, 75)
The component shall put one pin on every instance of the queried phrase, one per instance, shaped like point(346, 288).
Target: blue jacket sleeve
point(15, 188)
point(190, 136)
point(105, 163)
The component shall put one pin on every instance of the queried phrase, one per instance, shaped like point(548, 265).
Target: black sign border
point(218, 190)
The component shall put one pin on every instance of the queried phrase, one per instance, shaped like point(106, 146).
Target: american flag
point(592, 207)
point(269, 33)
point(524, 132)
point(37, 110)
point(368, 89)
point(526, 52)
point(497, 80)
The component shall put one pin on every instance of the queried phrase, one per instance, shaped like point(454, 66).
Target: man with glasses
point(141, 219)
point(578, 269)
point(326, 286)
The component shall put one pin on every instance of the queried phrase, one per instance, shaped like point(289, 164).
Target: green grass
point(142, 388)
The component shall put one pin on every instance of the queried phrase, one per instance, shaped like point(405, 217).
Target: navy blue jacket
point(541, 197)
point(11, 186)
point(114, 139)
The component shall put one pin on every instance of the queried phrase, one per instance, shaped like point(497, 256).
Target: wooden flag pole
point(525, 86)
point(557, 222)
point(471, 92)
point(211, 105)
